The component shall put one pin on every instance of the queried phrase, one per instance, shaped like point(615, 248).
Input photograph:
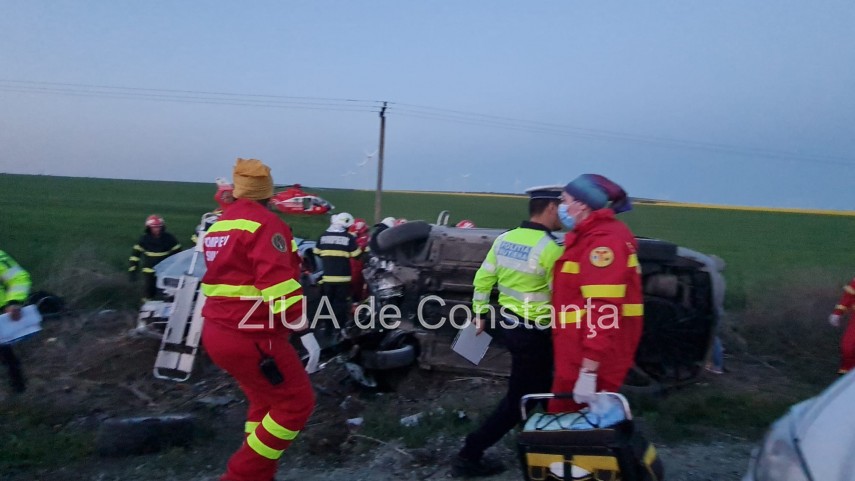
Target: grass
point(784, 272)
point(39, 437)
point(44, 218)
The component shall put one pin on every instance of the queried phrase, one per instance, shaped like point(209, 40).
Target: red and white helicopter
point(294, 200)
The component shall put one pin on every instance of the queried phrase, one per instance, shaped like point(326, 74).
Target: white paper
point(30, 322)
point(471, 346)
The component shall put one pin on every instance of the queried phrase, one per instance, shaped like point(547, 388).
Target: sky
point(739, 102)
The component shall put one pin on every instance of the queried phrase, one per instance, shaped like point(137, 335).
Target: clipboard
point(12, 331)
point(470, 345)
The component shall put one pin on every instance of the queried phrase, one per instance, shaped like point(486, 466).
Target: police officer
point(14, 288)
point(520, 262)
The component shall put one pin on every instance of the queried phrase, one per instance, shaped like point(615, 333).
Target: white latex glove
point(585, 390)
point(314, 350)
point(834, 320)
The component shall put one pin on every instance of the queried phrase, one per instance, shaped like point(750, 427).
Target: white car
point(814, 441)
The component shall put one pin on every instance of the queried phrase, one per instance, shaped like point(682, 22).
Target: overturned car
point(426, 271)
point(419, 284)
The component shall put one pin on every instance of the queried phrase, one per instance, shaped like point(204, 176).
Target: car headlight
point(779, 458)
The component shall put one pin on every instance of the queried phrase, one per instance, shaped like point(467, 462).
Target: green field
point(46, 220)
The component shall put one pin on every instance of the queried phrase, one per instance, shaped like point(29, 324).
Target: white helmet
point(388, 222)
point(343, 219)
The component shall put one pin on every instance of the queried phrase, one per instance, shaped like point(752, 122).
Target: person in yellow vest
point(521, 263)
point(14, 289)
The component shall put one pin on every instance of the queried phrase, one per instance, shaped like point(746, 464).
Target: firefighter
point(847, 344)
point(254, 302)
point(359, 230)
point(596, 293)
point(153, 246)
point(336, 247)
point(14, 288)
point(386, 223)
point(520, 262)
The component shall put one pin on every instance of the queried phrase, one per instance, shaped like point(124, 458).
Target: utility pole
point(379, 192)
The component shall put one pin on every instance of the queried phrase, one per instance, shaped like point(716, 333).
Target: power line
point(191, 99)
point(434, 113)
point(200, 92)
point(401, 109)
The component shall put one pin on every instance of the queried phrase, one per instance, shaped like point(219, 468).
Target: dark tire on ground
point(398, 235)
point(141, 435)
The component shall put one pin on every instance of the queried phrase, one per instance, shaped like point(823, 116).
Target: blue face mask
point(567, 220)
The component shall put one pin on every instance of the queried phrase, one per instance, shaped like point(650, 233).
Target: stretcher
point(599, 443)
point(183, 332)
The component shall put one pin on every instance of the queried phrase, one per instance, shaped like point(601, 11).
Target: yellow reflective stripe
point(281, 289)
point(134, 259)
point(570, 267)
point(649, 455)
point(331, 253)
point(604, 290)
point(148, 270)
point(538, 460)
point(177, 247)
point(227, 290)
point(335, 278)
point(263, 449)
point(17, 290)
point(132, 268)
point(157, 254)
point(632, 310)
point(294, 247)
point(237, 224)
point(356, 252)
point(138, 247)
point(849, 290)
point(250, 426)
point(632, 261)
point(281, 305)
point(278, 430)
point(571, 317)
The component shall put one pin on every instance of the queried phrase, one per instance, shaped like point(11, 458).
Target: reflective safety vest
point(253, 270)
point(14, 282)
point(520, 262)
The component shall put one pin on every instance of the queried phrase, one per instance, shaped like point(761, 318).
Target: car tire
point(145, 434)
point(401, 234)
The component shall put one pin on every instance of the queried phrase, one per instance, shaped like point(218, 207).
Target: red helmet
point(154, 220)
point(358, 227)
point(465, 224)
point(400, 221)
point(224, 195)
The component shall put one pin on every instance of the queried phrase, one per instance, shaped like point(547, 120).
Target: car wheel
point(401, 234)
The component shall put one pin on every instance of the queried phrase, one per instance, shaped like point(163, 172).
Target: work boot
point(468, 468)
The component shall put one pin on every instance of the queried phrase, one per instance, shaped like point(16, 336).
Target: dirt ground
point(84, 370)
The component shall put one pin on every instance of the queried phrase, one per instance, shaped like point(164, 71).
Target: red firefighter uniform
point(359, 229)
point(252, 291)
point(598, 303)
point(847, 344)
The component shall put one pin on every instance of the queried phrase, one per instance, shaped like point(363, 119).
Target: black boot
point(473, 468)
point(16, 375)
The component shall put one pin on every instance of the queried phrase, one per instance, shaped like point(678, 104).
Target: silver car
point(815, 440)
